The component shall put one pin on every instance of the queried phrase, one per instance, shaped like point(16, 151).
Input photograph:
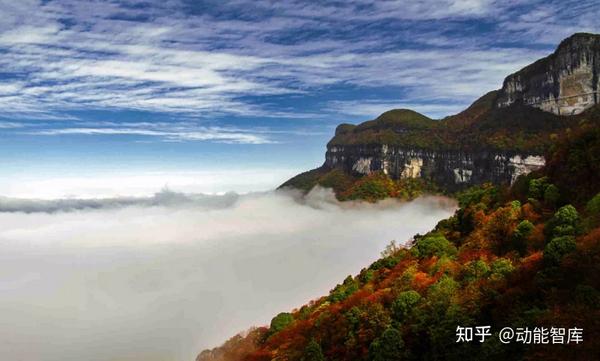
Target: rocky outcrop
point(499, 137)
point(564, 83)
point(453, 170)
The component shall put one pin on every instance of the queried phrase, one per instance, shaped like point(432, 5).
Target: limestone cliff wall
point(564, 83)
point(453, 170)
point(495, 140)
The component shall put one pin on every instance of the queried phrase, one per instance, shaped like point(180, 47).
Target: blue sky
point(109, 89)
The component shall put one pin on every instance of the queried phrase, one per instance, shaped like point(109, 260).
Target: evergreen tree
point(313, 352)
point(388, 347)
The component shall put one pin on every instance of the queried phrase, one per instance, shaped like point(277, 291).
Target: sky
point(104, 98)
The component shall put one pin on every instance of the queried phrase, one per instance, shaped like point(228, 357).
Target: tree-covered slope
point(481, 126)
point(526, 256)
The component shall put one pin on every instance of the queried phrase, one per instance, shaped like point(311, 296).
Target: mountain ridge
point(493, 140)
point(524, 256)
point(519, 252)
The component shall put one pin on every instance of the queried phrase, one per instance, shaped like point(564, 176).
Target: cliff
point(564, 83)
point(452, 170)
point(501, 136)
point(524, 257)
point(482, 144)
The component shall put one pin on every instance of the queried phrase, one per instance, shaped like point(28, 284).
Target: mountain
point(501, 136)
point(525, 257)
point(522, 251)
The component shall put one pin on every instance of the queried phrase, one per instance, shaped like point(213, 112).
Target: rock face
point(564, 83)
point(499, 137)
point(453, 170)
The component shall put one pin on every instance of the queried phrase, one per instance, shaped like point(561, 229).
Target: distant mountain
point(502, 135)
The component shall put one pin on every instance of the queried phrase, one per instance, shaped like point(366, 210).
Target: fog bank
point(161, 278)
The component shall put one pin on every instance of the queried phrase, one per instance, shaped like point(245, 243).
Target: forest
point(525, 256)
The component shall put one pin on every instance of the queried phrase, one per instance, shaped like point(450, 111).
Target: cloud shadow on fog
point(156, 280)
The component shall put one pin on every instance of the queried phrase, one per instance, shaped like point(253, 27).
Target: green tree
point(522, 231)
point(366, 275)
point(593, 206)
point(502, 267)
point(313, 352)
point(551, 195)
point(434, 244)
point(404, 304)
point(537, 187)
point(341, 292)
point(557, 248)
point(475, 270)
point(564, 222)
point(280, 322)
point(353, 316)
point(516, 205)
point(440, 293)
point(388, 347)
point(484, 194)
point(371, 188)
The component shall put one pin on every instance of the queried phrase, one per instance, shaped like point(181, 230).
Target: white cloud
point(176, 62)
point(549, 22)
point(221, 135)
point(11, 125)
point(392, 9)
point(112, 183)
point(29, 35)
point(163, 282)
point(10, 88)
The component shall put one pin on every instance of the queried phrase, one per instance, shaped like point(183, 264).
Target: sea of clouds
point(161, 278)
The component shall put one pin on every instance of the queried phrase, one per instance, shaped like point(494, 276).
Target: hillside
point(481, 144)
point(523, 250)
point(481, 126)
point(525, 256)
point(502, 135)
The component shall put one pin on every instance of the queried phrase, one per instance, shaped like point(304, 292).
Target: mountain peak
point(401, 114)
point(577, 37)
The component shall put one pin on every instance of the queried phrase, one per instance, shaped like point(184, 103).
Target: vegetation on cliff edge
point(371, 188)
point(517, 128)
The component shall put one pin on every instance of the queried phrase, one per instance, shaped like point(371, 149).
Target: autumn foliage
point(528, 256)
